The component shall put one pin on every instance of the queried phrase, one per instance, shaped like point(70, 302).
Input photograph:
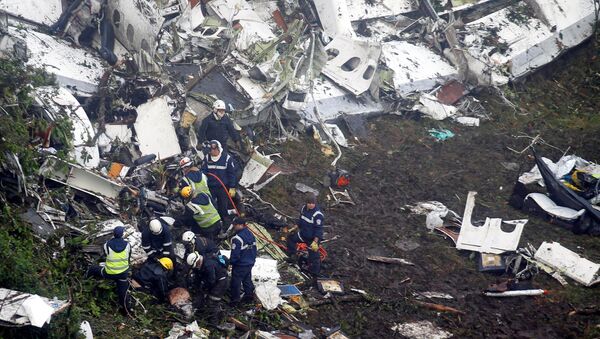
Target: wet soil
point(400, 164)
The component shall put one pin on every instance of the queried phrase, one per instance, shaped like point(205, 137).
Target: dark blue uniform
point(212, 128)
point(214, 277)
point(311, 227)
point(224, 168)
point(243, 256)
point(158, 245)
point(154, 277)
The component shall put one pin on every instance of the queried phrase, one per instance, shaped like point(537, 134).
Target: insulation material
point(253, 28)
point(421, 330)
point(60, 103)
point(154, 129)
point(74, 68)
point(44, 12)
point(361, 9)
point(430, 106)
point(416, 67)
point(568, 263)
point(562, 167)
point(269, 295)
point(489, 238)
point(21, 308)
point(550, 207)
point(353, 64)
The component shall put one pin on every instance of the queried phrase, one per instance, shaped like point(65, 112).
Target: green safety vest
point(204, 215)
point(198, 187)
point(117, 262)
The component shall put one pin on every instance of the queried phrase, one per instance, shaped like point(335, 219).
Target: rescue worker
point(194, 243)
point(219, 164)
point(201, 214)
point(116, 267)
point(154, 277)
point(243, 256)
point(310, 232)
point(193, 177)
point(213, 275)
point(218, 126)
point(156, 239)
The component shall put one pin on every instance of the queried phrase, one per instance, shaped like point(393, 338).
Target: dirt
point(400, 164)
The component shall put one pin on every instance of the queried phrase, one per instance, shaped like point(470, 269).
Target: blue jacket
point(224, 168)
point(243, 248)
point(194, 175)
point(158, 244)
point(154, 277)
point(311, 224)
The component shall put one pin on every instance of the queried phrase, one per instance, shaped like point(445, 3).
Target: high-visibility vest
point(204, 215)
point(117, 262)
point(198, 187)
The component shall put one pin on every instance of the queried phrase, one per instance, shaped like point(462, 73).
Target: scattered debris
point(23, 309)
point(192, 331)
point(330, 286)
point(421, 330)
point(569, 263)
point(389, 260)
point(491, 237)
point(518, 293)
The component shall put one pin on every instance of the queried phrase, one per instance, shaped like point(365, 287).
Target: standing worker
point(201, 214)
point(243, 256)
point(193, 177)
point(116, 267)
point(220, 164)
point(154, 277)
point(218, 126)
point(156, 239)
point(311, 233)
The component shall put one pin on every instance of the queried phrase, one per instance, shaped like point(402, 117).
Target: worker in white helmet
point(156, 239)
point(218, 126)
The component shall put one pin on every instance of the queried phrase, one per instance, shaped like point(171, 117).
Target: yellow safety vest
point(117, 262)
point(204, 215)
point(198, 187)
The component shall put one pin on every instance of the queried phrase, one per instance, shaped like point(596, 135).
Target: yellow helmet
point(186, 192)
point(166, 263)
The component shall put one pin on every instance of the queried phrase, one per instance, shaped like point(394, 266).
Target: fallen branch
point(346, 298)
point(438, 307)
point(239, 324)
point(389, 260)
point(585, 311)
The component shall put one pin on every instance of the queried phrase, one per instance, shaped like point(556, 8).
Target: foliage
point(16, 84)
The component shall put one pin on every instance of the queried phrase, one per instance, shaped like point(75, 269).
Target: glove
point(232, 192)
point(314, 246)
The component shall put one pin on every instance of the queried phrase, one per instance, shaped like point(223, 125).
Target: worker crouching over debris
point(204, 246)
point(212, 274)
point(156, 239)
point(243, 256)
point(153, 276)
point(201, 214)
point(310, 233)
point(116, 267)
point(220, 169)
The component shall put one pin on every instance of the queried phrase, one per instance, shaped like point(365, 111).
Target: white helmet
point(185, 162)
point(194, 258)
point(219, 104)
point(155, 226)
point(188, 236)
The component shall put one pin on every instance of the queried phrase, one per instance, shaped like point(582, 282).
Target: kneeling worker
point(213, 275)
point(154, 277)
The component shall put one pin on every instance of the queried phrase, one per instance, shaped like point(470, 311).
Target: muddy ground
point(400, 164)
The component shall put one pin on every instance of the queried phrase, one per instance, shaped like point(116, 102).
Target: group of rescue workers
point(207, 192)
